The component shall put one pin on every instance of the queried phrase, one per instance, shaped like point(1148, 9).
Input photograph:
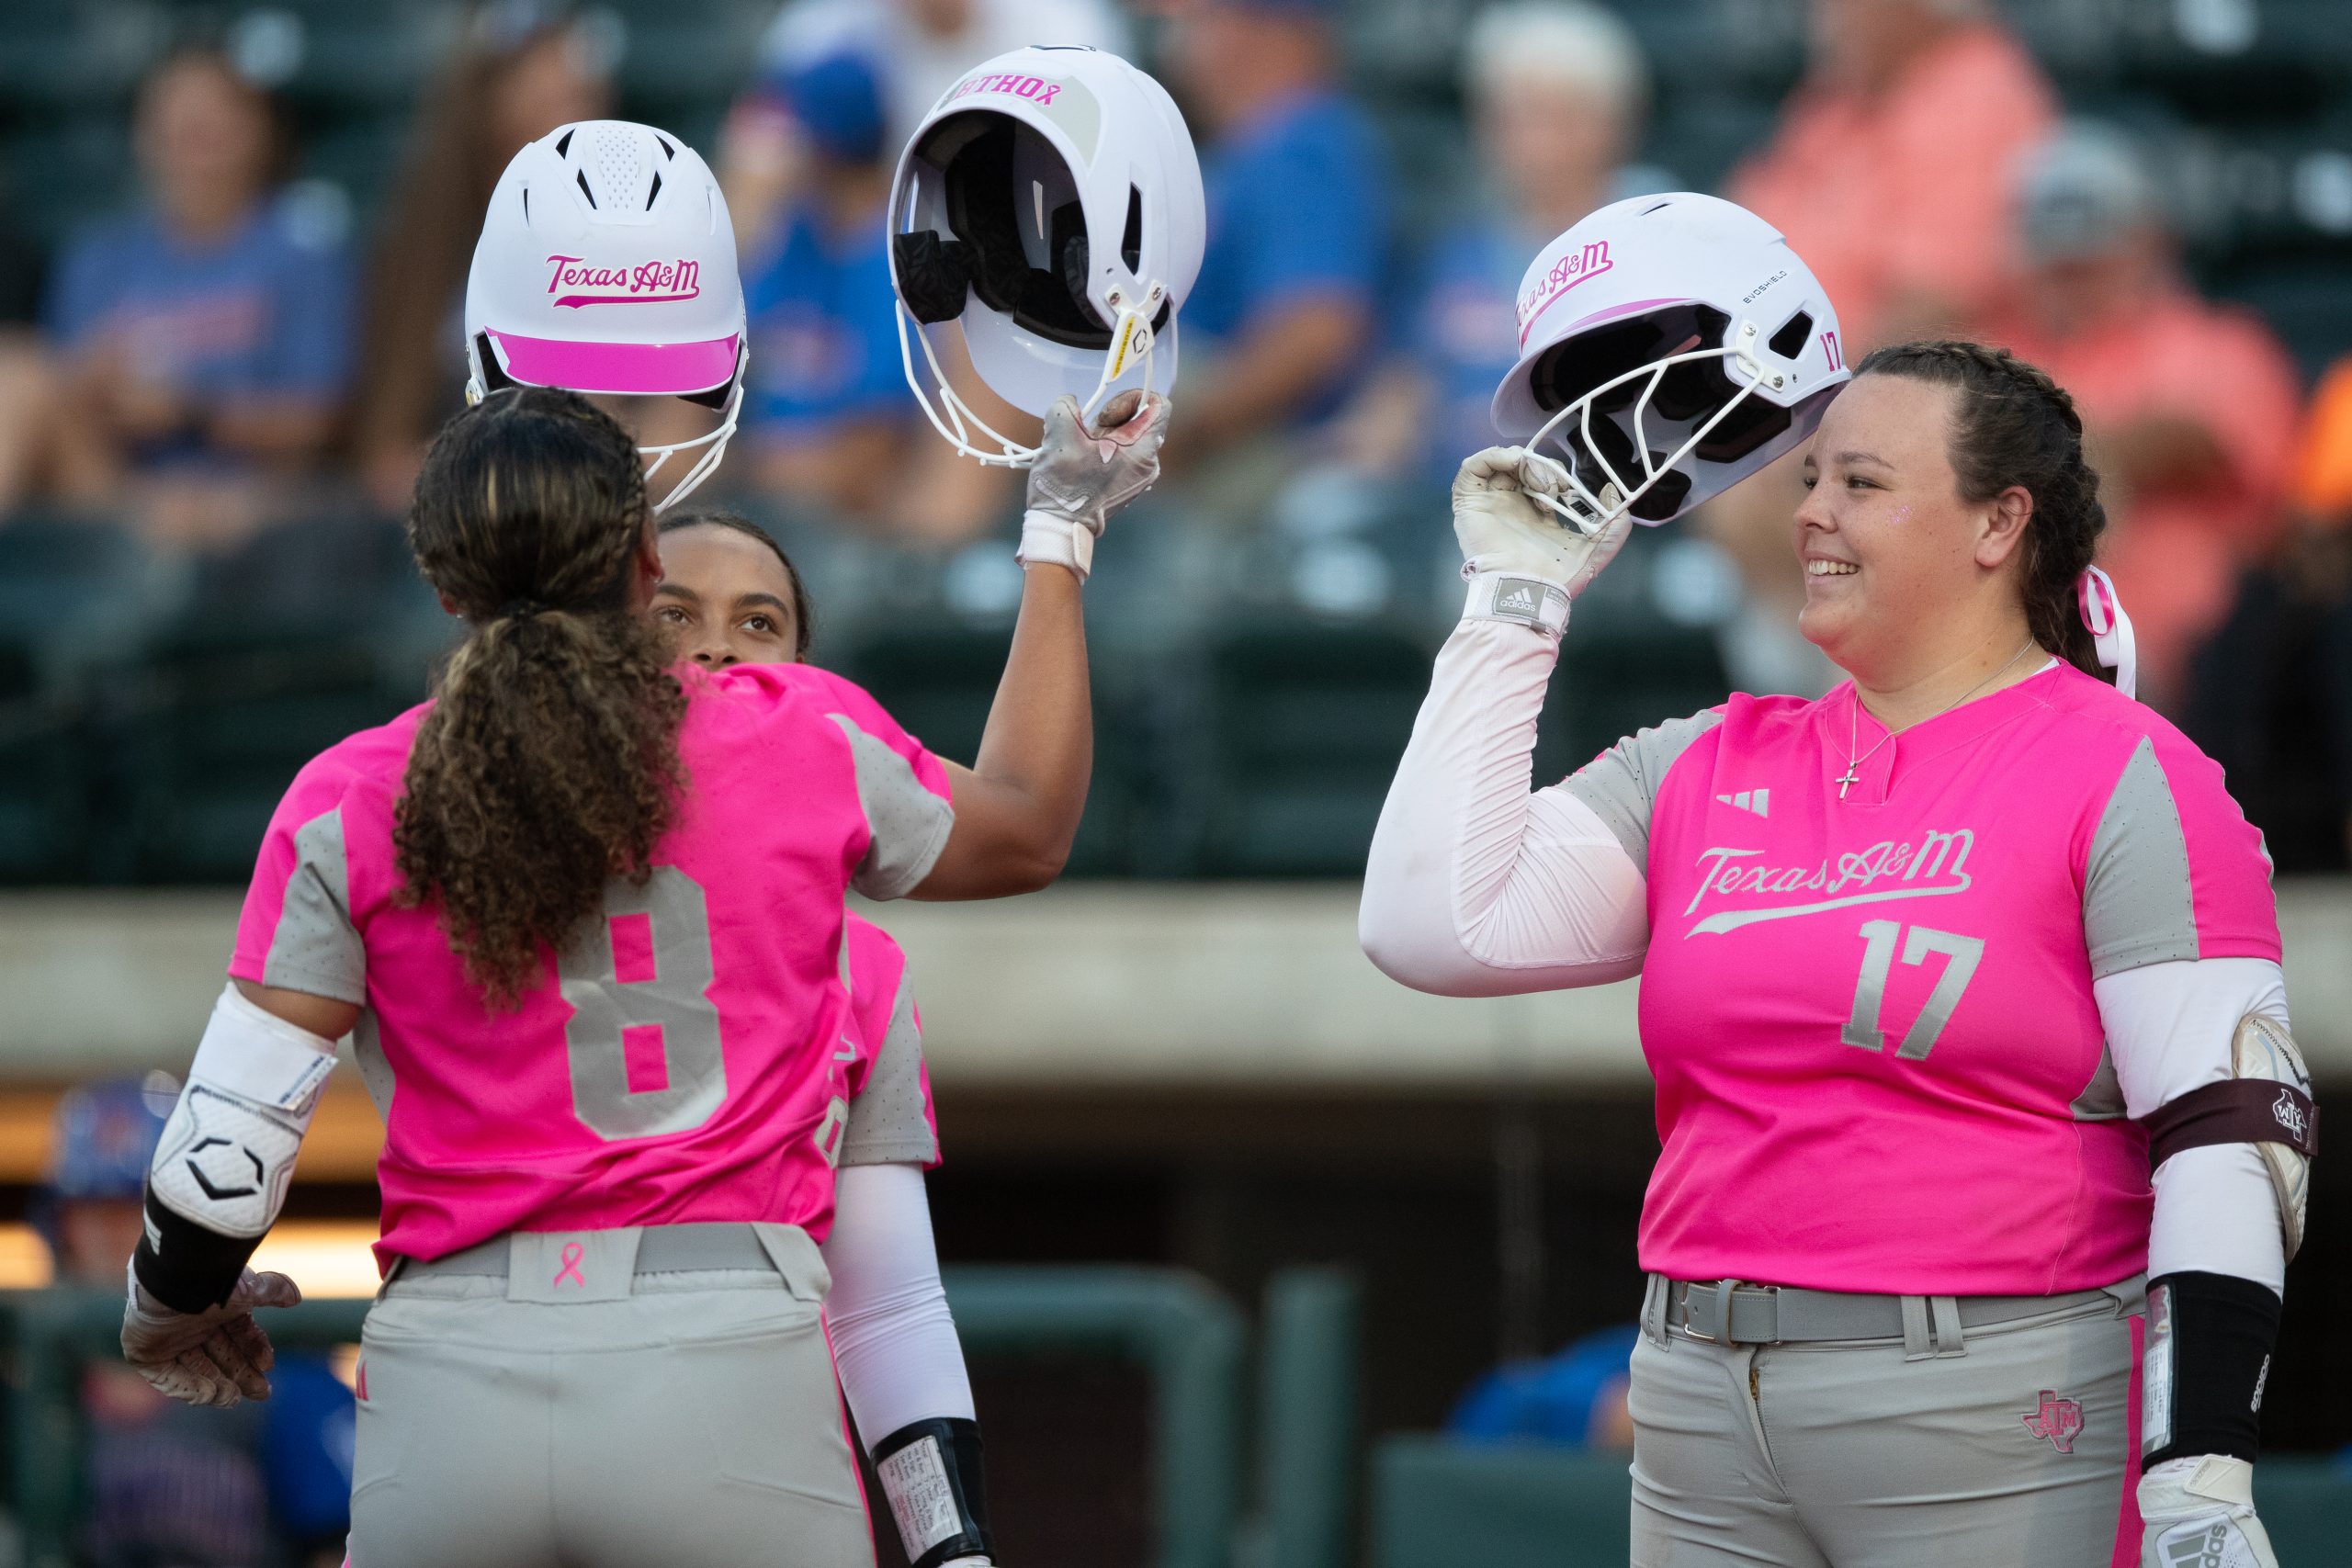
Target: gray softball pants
point(579, 1415)
point(2017, 1446)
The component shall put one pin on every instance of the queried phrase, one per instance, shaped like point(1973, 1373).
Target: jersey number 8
point(672, 1004)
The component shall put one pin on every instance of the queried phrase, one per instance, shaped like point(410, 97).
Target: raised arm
point(1475, 887)
point(1017, 806)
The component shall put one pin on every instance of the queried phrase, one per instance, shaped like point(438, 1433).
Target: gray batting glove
point(218, 1356)
point(1083, 474)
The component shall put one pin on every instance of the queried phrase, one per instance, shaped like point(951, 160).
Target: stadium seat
point(1295, 742)
point(2306, 304)
point(44, 787)
point(67, 173)
point(76, 55)
point(1438, 1505)
point(939, 684)
point(212, 723)
point(89, 586)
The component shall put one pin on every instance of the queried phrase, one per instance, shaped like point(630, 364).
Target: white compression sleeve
point(1475, 886)
point(894, 1341)
point(2169, 1027)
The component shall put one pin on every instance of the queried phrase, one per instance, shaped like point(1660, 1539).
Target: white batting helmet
point(1670, 346)
point(606, 264)
point(1050, 203)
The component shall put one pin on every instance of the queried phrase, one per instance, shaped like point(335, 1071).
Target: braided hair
point(2013, 425)
point(549, 762)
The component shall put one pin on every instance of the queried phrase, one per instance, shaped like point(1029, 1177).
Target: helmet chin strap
point(1131, 338)
point(1589, 513)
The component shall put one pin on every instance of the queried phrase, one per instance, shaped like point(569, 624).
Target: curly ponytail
point(2013, 425)
point(549, 764)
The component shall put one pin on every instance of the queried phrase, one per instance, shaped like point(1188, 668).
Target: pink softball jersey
point(687, 1056)
point(1879, 1060)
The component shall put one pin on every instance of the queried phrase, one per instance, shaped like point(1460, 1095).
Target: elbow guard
point(227, 1154)
point(930, 1473)
point(2267, 1103)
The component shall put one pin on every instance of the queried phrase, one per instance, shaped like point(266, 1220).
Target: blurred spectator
point(921, 45)
point(1890, 173)
point(2190, 407)
point(27, 374)
point(1556, 89)
point(828, 421)
point(522, 70)
point(1574, 1399)
point(2272, 690)
point(166, 1484)
point(1297, 218)
point(2323, 469)
point(205, 338)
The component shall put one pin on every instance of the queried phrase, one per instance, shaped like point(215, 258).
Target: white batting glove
point(1523, 561)
point(2198, 1513)
point(218, 1356)
point(1084, 474)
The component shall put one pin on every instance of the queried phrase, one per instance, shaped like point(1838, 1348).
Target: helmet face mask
point(607, 266)
point(1050, 205)
point(1659, 386)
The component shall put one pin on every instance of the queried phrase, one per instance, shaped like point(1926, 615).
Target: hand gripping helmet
point(606, 264)
point(1050, 203)
point(1670, 346)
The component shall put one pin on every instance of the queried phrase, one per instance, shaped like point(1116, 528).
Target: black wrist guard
point(185, 1266)
point(2209, 1338)
point(931, 1474)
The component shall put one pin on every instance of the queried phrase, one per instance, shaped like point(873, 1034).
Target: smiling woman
point(1932, 968)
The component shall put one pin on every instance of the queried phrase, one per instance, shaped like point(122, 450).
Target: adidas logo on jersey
point(1760, 801)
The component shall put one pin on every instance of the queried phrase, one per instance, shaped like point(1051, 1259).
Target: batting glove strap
point(930, 1473)
point(2198, 1513)
point(1048, 538)
point(1539, 603)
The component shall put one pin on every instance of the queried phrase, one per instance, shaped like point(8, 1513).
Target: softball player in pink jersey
point(1924, 966)
point(582, 916)
point(729, 595)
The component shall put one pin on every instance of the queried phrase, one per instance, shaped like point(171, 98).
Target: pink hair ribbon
point(2111, 628)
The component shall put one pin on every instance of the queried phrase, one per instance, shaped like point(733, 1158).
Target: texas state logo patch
point(2055, 1420)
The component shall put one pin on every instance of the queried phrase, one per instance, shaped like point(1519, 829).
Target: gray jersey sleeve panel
point(2137, 907)
point(908, 824)
point(316, 948)
point(1622, 784)
point(2102, 1098)
point(886, 1124)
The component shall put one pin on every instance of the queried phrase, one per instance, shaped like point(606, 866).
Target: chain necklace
point(1852, 774)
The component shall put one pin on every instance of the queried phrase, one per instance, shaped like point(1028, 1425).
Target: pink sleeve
point(2174, 870)
point(295, 932)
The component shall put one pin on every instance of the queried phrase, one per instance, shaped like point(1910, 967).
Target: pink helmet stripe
point(673, 368)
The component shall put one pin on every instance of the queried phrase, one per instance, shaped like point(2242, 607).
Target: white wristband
point(1047, 539)
point(1534, 601)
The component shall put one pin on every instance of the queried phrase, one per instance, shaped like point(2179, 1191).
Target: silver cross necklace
point(1852, 774)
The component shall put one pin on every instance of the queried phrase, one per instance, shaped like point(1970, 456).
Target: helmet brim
point(648, 369)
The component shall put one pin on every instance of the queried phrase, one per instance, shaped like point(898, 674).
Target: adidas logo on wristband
point(1530, 601)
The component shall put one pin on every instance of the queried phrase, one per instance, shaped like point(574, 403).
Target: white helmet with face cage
point(606, 264)
point(1050, 204)
point(1670, 346)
